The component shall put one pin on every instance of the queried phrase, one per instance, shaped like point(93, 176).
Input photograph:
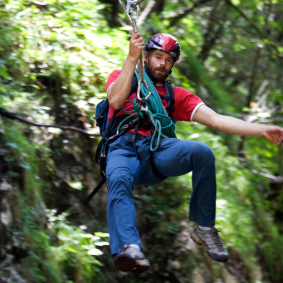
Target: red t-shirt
point(186, 103)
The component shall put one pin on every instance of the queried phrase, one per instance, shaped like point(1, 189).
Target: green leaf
point(76, 185)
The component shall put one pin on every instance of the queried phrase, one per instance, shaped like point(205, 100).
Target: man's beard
point(154, 75)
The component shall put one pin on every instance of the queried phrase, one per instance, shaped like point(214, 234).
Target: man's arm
point(206, 116)
point(118, 92)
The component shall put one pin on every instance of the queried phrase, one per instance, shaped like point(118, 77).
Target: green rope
point(164, 117)
point(155, 106)
point(157, 131)
point(136, 106)
point(154, 111)
point(136, 111)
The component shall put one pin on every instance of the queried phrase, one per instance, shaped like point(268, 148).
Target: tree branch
point(211, 34)
point(262, 93)
point(149, 7)
point(246, 18)
point(176, 19)
point(274, 179)
point(262, 35)
point(276, 109)
point(253, 77)
point(13, 116)
point(271, 120)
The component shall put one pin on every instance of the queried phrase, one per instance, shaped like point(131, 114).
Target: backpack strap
point(169, 90)
point(170, 93)
point(108, 130)
point(169, 97)
point(134, 84)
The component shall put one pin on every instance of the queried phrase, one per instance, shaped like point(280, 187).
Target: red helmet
point(164, 42)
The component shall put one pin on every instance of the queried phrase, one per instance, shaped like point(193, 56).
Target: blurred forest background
point(55, 57)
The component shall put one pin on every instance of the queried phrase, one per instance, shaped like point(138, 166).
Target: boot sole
point(125, 263)
point(141, 266)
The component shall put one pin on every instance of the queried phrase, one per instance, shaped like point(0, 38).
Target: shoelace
point(124, 248)
point(217, 240)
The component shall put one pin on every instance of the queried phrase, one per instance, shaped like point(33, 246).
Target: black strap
point(170, 93)
point(95, 190)
point(107, 131)
point(133, 138)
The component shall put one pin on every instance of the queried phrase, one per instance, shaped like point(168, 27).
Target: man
point(129, 163)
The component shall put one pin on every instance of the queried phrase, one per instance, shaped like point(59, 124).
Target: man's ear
point(145, 58)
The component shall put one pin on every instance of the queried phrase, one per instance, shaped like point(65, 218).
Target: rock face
point(12, 245)
point(6, 218)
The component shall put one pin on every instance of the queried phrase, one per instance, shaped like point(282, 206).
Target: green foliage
point(75, 250)
point(61, 252)
point(219, 97)
point(67, 42)
point(20, 152)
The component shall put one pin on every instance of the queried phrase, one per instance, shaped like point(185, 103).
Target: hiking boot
point(131, 259)
point(213, 243)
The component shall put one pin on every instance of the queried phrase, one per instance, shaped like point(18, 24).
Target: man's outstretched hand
point(274, 134)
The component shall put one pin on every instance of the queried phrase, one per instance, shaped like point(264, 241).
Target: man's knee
point(202, 152)
point(119, 183)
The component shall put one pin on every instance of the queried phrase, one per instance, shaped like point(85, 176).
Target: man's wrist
point(132, 59)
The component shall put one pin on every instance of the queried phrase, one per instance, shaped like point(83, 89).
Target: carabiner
point(139, 91)
point(130, 5)
point(129, 10)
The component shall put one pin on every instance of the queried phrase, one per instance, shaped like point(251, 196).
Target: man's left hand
point(274, 134)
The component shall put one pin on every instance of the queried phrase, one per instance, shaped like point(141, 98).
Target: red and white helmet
point(164, 42)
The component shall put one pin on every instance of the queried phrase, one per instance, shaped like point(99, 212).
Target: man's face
point(159, 64)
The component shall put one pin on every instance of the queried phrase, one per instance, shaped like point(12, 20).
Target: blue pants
point(127, 168)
